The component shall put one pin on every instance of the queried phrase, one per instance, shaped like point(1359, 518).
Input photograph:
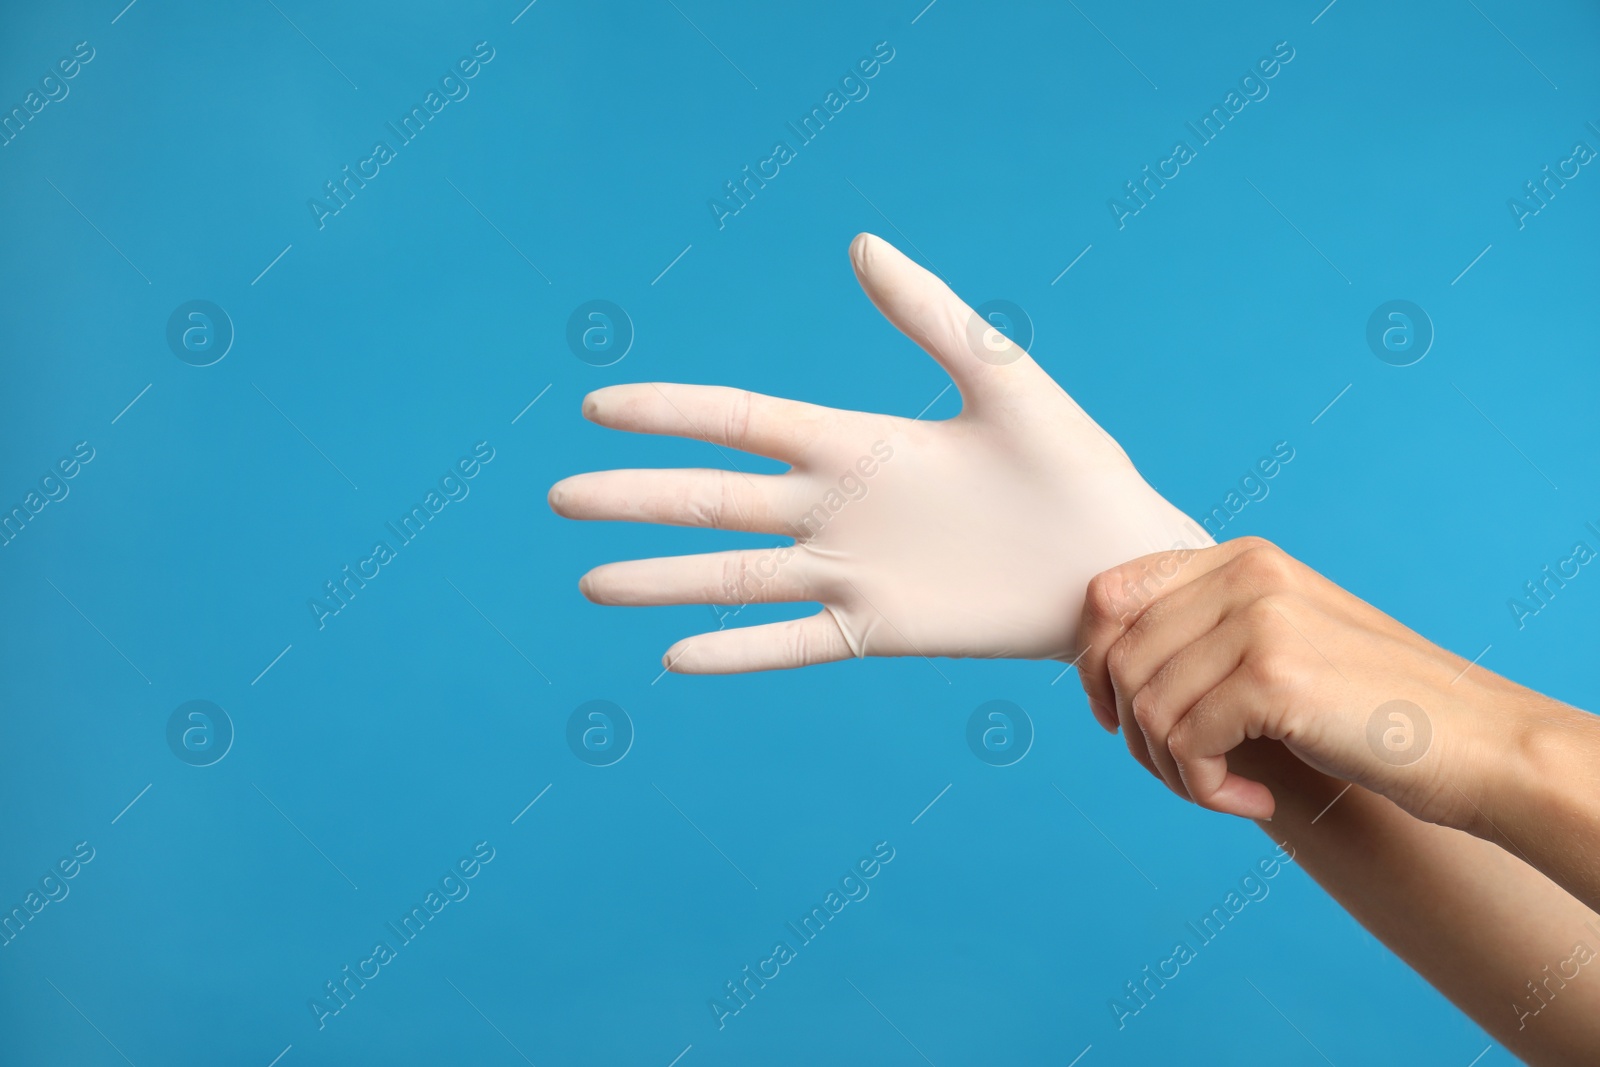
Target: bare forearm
point(1471, 846)
point(1540, 798)
point(1488, 931)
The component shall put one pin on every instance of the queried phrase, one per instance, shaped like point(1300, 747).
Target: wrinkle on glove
point(975, 536)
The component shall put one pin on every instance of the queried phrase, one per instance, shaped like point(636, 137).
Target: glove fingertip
point(672, 658)
point(860, 248)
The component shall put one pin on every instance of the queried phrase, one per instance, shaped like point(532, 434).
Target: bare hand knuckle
point(1120, 659)
point(1146, 709)
point(1262, 617)
point(1272, 670)
point(1266, 564)
point(1102, 600)
point(1180, 743)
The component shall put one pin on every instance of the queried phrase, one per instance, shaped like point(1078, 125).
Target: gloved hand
point(975, 536)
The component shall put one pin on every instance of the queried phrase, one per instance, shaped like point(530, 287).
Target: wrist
point(1536, 779)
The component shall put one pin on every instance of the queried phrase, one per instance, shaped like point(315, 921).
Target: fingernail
point(590, 406)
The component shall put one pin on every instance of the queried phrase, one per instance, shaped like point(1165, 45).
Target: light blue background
point(408, 329)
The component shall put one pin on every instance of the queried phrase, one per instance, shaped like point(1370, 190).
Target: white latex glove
point(975, 536)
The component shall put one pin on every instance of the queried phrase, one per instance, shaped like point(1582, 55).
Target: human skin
point(978, 538)
point(1246, 681)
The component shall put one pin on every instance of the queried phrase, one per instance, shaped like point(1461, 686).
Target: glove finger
point(773, 647)
point(747, 576)
point(723, 500)
point(980, 360)
point(735, 418)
